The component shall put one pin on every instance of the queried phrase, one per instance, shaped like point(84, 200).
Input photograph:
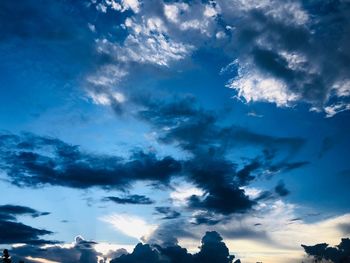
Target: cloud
point(14, 232)
point(213, 249)
point(81, 250)
point(130, 199)
point(181, 121)
point(338, 254)
point(281, 189)
point(147, 42)
point(31, 161)
point(10, 212)
point(167, 212)
point(344, 228)
point(281, 52)
point(129, 225)
point(118, 5)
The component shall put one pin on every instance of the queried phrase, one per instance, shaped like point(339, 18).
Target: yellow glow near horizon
point(41, 260)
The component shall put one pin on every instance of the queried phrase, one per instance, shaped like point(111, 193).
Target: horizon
point(160, 121)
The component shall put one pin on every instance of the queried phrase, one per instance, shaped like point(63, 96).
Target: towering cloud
point(213, 249)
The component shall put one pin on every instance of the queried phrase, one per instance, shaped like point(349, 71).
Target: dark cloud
point(130, 199)
point(14, 232)
point(10, 212)
point(206, 218)
point(82, 251)
point(33, 161)
point(141, 253)
point(281, 189)
point(213, 249)
point(198, 131)
point(245, 174)
point(216, 178)
point(338, 254)
point(167, 234)
point(26, 164)
point(223, 200)
point(167, 212)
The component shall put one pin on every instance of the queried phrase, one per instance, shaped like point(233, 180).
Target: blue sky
point(156, 121)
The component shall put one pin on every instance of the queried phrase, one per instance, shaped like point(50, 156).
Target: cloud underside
point(15, 232)
point(338, 254)
point(212, 249)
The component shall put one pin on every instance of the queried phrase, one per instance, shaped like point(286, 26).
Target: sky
point(176, 124)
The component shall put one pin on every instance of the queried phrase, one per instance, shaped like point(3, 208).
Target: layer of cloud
point(10, 212)
point(33, 161)
point(13, 232)
point(130, 199)
point(80, 250)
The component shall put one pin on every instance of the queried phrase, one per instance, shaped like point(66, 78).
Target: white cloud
point(251, 85)
point(41, 260)
point(172, 11)
point(182, 192)
point(252, 192)
point(342, 88)
point(106, 99)
point(134, 5)
point(220, 35)
point(290, 11)
point(130, 225)
point(198, 17)
point(210, 11)
point(107, 76)
point(121, 5)
point(147, 43)
point(333, 109)
point(92, 27)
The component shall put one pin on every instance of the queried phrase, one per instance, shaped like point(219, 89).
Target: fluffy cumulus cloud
point(213, 249)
